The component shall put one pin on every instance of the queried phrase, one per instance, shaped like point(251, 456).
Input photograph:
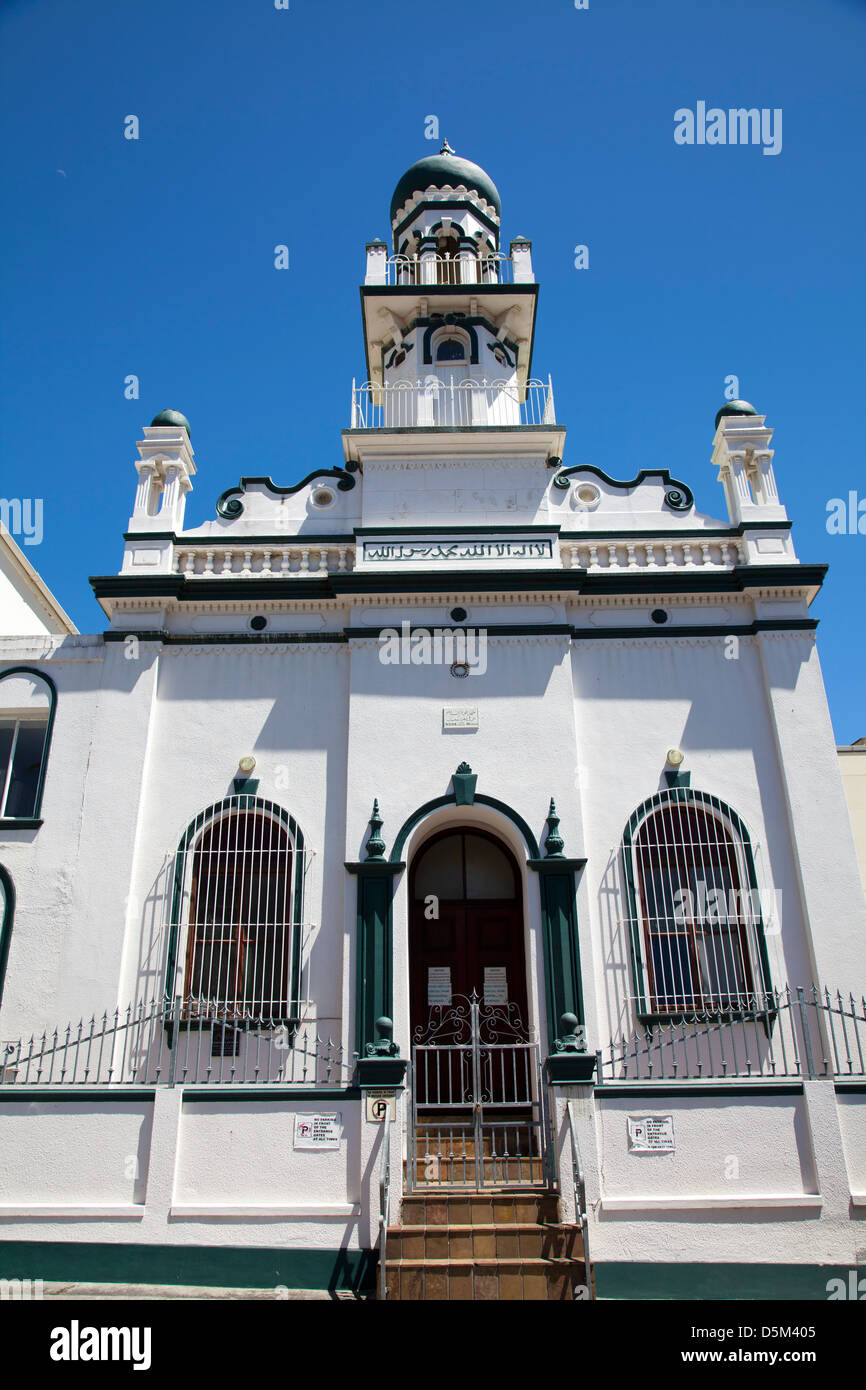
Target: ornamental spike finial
point(375, 844)
point(554, 843)
point(446, 148)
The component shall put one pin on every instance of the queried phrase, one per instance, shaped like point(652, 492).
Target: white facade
point(616, 624)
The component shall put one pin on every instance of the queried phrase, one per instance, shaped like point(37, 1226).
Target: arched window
point(451, 350)
point(239, 894)
point(697, 934)
point(448, 264)
point(27, 700)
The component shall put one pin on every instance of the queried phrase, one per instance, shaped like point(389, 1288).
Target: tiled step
point(509, 1240)
point(484, 1245)
point(479, 1208)
point(485, 1280)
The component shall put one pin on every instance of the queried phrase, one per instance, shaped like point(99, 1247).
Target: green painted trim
point(377, 431)
point(229, 505)
point(696, 630)
point(660, 799)
point(455, 530)
point(33, 823)
point(227, 639)
point(150, 535)
point(570, 1068)
point(676, 533)
point(737, 1283)
point(450, 800)
point(500, 630)
point(857, 1088)
point(253, 1094)
point(380, 1071)
point(136, 585)
point(85, 1095)
point(279, 538)
point(374, 867)
point(6, 925)
point(374, 952)
point(671, 483)
point(203, 1265)
point(627, 1089)
point(197, 825)
point(550, 865)
point(561, 947)
point(196, 590)
point(438, 205)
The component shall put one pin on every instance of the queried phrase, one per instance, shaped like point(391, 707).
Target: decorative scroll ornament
point(230, 506)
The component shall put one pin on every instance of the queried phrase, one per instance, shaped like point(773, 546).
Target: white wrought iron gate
point(478, 1115)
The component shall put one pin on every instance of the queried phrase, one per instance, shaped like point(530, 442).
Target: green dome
point(444, 170)
point(171, 417)
point(735, 408)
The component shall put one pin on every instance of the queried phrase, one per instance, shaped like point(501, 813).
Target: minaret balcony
point(464, 269)
point(438, 403)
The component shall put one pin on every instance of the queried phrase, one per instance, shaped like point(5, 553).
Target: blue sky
point(261, 126)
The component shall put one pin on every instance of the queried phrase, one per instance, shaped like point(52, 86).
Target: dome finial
point(446, 148)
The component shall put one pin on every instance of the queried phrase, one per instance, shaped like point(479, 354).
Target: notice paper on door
point(495, 984)
point(439, 984)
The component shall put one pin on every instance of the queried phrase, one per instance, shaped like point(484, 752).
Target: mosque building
point(437, 878)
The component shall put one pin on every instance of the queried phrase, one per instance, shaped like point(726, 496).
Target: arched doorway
point(477, 1104)
point(466, 924)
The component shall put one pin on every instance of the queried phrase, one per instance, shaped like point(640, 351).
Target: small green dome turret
point(735, 408)
point(172, 417)
point(445, 170)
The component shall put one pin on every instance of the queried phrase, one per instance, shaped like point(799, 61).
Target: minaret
point(448, 306)
point(742, 454)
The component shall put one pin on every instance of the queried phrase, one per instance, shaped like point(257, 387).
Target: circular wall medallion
point(323, 497)
point(460, 669)
point(258, 623)
point(658, 615)
point(459, 615)
point(586, 497)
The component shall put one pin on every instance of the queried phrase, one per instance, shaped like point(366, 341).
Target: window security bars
point(236, 929)
point(153, 1043)
point(442, 401)
point(795, 1034)
point(699, 930)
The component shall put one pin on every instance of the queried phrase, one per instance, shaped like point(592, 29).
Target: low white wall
point(78, 1153)
point(852, 1123)
point(725, 1148)
point(242, 1155)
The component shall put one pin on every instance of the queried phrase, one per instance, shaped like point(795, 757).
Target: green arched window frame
point(33, 822)
point(735, 827)
point(7, 888)
point(237, 805)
